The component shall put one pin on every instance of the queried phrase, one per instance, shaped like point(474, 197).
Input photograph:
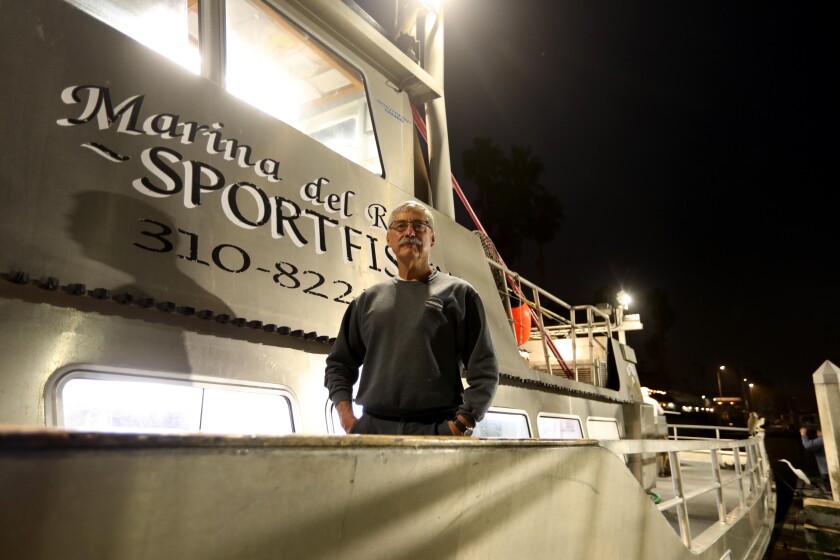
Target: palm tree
point(512, 203)
point(536, 213)
point(481, 165)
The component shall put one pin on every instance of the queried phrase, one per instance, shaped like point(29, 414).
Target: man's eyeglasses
point(417, 225)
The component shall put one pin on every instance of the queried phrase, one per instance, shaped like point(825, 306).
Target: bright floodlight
point(624, 299)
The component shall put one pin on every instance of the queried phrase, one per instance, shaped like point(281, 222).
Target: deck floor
point(702, 510)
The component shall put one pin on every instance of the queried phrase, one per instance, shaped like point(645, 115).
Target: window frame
point(510, 412)
point(53, 389)
point(563, 417)
point(603, 420)
point(213, 62)
point(331, 46)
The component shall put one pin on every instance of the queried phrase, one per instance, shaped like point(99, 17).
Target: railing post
point(682, 506)
point(765, 462)
point(573, 332)
point(543, 330)
point(739, 474)
point(715, 466)
point(751, 468)
point(590, 338)
point(508, 310)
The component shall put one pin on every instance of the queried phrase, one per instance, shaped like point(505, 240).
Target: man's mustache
point(406, 240)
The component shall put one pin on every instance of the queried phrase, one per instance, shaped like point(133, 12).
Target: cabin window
point(169, 27)
point(277, 67)
point(99, 401)
point(553, 426)
point(269, 63)
point(602, 428)
point(498, 423)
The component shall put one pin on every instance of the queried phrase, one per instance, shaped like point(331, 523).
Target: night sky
point(693, 147)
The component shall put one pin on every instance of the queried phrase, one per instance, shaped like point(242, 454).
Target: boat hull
point(89, 496)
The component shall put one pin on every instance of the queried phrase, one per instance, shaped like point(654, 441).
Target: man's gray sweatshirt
point(413, 339)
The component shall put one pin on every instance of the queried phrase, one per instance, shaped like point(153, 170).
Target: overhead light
point(624, 299)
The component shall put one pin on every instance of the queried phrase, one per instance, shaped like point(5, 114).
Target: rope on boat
point(421, 128)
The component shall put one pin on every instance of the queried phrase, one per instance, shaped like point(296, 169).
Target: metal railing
point(750, 479)
point(586, 327)
point(674, 431)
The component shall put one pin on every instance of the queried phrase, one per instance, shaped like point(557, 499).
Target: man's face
point(410, 243)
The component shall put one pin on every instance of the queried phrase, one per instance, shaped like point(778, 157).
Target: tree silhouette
point(481, 166)
point(512, 203)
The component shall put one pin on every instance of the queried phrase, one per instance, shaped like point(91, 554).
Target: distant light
point(745, 380)
point(722, 368)
point(751, 385)
point(624, 299)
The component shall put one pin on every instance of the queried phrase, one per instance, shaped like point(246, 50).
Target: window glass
point(602, 428)
point(130, 406)
point(276, 67)
point(169, 27)
point(129, 403)
point(503, 425)
point(244, 412)
point(559, 427)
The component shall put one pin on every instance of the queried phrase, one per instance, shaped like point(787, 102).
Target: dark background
point(693, 146)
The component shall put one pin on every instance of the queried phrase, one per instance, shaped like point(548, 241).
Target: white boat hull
point(89, 496)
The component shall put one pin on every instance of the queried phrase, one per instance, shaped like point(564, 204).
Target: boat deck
point(703, 509)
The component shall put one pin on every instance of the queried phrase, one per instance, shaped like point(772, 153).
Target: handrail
point(596, 323)
point(717, 429)
point(756, 471)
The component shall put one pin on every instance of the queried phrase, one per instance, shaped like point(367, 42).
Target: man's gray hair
point(413, 206)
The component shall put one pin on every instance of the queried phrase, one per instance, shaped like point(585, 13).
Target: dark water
point(786, 444)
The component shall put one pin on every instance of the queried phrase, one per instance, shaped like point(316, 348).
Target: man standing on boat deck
point(413, 333)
